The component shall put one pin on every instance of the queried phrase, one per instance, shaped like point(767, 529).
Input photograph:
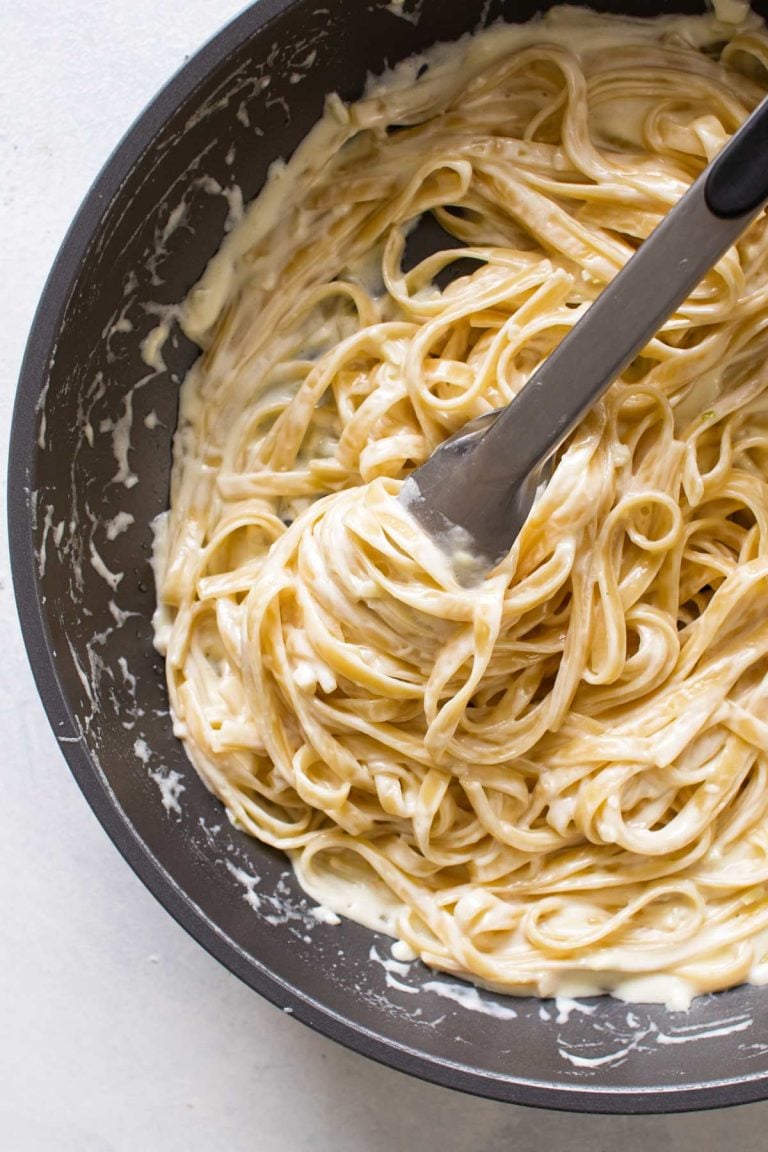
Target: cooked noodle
point(558, 777)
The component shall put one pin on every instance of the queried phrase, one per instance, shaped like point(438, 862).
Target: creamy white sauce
point(119, 523)
point(250, 884)
point(109, 577)
point(171, 788)
point(565, 1007)
point(468, 997)
point(324, 915)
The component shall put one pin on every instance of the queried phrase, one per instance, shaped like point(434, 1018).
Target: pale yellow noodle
point(557, 778)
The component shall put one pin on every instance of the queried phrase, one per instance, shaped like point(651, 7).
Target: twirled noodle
point(558, 778)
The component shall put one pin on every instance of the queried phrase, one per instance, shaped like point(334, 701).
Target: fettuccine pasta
point(555, 778)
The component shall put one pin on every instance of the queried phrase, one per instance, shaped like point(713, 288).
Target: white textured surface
point(117, 1032)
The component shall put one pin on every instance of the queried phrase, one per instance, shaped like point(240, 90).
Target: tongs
point(475, 491)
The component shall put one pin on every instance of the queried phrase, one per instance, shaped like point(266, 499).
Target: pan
point(89, 470)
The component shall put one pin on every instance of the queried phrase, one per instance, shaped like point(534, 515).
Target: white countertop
point(117, 1032)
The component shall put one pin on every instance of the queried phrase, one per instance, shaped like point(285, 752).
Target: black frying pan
point(88, 420)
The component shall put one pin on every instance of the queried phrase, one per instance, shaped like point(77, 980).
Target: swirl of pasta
point(556, 777)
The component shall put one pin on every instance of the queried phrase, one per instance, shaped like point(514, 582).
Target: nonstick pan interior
point(89, 470)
